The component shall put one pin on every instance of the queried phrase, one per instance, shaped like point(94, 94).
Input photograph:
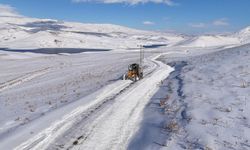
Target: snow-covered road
point(105, 119)
point(114, 127)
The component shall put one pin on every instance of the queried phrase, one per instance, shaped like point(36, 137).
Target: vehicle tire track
point(79, 112)
point(27, 77)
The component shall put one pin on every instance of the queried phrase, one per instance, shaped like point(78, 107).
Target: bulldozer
point(135, 70)
point(134, 73)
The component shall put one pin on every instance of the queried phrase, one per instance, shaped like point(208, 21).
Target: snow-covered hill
point(23, 32)
point(69, 101)
point(244, 35)
point(238, 38)
point(210, 40)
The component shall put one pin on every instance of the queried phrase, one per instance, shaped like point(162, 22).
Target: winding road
point(106, 119)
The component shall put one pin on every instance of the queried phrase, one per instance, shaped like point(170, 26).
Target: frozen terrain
point(203, 104)
point(31, 33)
point(61, 87)
point(48, 129)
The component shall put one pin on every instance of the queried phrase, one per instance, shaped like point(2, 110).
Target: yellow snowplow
point(134, 73)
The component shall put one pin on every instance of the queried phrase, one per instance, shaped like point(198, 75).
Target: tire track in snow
point(47, 137)
point(115, 126)
point(22, 79)
point(62, 121)
point(88, 124)
point(43, 139)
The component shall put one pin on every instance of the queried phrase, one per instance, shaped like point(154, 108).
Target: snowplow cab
point(134, 72)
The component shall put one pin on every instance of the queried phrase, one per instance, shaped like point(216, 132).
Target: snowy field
point(61, 87)
point(31, 87)
point(206, 106)
point(74, 88)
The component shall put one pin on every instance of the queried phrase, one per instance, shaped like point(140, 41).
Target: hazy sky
point(188, 16)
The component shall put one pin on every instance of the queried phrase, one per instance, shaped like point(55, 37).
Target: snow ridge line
point(22, 79)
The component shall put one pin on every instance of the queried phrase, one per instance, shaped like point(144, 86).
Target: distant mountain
point(238, 38)
point(22, 32)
